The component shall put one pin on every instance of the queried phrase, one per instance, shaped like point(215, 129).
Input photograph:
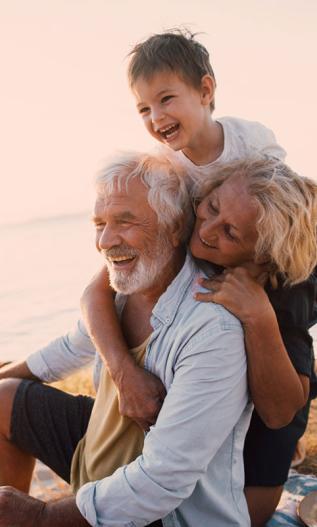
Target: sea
point(45, 265)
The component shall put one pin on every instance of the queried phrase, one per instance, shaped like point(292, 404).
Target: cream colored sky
point(65, 104)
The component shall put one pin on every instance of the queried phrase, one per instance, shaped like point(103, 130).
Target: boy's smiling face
point(173, 111)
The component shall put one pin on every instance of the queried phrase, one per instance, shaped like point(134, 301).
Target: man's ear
point(175, 234)
point(207, 89)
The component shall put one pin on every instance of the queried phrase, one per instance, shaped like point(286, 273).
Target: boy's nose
point(157, 116)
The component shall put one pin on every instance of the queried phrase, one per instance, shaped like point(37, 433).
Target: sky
point(65, 104)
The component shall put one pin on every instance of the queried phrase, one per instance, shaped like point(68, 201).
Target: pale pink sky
point(65, 105)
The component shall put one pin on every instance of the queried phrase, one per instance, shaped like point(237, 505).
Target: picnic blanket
point(296, 487)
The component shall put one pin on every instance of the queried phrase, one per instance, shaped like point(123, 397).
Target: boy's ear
point(207, 89)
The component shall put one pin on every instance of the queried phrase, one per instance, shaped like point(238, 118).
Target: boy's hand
point(240, 291)
point(141, 395)
point(98, 285)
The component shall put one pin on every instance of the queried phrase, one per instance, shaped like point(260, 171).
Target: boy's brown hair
point(175, 50)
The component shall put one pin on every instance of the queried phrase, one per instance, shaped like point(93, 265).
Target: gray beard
point(147, 270)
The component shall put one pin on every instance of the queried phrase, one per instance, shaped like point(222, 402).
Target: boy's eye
point(166, 98)
point(144, 109)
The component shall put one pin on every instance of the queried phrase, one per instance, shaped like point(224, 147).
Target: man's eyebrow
point(125, 215)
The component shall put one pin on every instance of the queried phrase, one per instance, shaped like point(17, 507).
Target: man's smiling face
point(129, 237)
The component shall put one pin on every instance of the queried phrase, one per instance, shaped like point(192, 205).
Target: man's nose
point(108, 238)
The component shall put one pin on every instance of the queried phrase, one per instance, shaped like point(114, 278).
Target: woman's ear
point(263, 259)
point(207, 89)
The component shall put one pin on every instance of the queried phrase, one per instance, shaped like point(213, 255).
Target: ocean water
point(45, 265)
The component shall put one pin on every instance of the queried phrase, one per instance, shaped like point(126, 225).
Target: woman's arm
point(141, 393)
point(277, 390)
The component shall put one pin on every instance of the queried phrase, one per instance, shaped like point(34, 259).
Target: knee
point(8, 388)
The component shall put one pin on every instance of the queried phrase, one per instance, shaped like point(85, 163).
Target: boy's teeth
point(169, 130)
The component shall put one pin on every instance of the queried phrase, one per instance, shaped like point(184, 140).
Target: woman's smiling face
point(225, 229)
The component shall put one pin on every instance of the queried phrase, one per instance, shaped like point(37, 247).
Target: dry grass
point(79, 383)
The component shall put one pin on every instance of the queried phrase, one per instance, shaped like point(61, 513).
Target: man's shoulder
point(177, 306)
point(203, 314)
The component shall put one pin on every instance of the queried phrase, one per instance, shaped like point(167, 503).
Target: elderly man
point(190, 470)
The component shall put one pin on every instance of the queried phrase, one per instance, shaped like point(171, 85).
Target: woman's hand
point(240, 290)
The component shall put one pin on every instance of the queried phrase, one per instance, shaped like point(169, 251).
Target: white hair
point(167, 192)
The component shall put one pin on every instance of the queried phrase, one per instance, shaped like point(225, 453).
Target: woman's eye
point(228, 233)
point(212, 208)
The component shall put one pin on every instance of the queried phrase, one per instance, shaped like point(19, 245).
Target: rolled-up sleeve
point(63, 355)
point(205, 401)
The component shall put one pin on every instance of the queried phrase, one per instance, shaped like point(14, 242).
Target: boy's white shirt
point(242, 139)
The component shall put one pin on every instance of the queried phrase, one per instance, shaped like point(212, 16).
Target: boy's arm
point(277, 390)
point(141, 393)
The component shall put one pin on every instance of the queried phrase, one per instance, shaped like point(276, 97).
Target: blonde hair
point(287, 220)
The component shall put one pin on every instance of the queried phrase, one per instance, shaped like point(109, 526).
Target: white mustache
point(118, 251)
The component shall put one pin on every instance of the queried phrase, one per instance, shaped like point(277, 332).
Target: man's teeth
point(120, 258)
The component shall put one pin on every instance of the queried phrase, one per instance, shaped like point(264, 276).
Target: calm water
point(45, 265)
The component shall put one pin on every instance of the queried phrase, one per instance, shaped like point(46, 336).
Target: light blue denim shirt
point(190, 472)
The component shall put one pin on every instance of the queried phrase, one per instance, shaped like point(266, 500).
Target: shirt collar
point(166, 307)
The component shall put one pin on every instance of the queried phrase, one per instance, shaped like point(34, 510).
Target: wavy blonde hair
point(287, 219)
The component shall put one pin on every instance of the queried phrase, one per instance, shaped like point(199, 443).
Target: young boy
point(174, 86)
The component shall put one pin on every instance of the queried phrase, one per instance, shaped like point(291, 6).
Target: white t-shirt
point(241, 139)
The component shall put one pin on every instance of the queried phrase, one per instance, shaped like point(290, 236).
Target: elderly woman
point(255, 233)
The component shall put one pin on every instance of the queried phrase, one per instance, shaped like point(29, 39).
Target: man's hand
point(141, 395)
point(18, 509)
point(239, 290)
